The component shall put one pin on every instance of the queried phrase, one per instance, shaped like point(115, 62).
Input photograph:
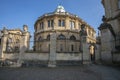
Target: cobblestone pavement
point(83, 72)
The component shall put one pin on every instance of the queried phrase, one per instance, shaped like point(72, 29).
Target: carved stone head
point(25, 28)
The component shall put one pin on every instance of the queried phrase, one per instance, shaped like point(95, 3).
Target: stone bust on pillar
point(83, 31)
point(5, 30)
point(25, 28)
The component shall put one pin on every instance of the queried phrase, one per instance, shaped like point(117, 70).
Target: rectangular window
point(52, 23)
point(41, 25)
point(72, 48)
point(61, 47)
point(48, 23)
point(61, 23)
point(72, 24)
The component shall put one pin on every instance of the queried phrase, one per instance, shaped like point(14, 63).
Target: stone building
point(59, 38)
point(110, 31)
point(66, 27)
point(11, 40)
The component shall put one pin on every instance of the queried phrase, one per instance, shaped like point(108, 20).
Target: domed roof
point(60, 8)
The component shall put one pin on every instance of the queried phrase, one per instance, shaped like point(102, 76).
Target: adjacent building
point(110, 31)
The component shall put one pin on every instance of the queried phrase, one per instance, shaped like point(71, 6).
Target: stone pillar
point(24, 44)
point(107, 40)
point(52, 55)
point(106, 47)
point(84, 45)
point(85, 53)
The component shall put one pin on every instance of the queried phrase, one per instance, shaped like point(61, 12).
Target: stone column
point(52, 55)
point(85, 54)
point(85, 49)
point(107, 40)
point(106, 45)
point(24, 44)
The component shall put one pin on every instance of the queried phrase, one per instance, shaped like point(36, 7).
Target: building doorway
point(92, 48)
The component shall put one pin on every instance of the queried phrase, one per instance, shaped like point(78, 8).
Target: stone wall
point(68, 56)
point(116, 57)
point(43, 56)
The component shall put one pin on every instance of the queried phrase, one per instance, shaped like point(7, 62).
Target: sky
point(16, 13)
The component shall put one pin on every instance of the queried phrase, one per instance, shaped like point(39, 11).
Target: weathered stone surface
point(52, 55)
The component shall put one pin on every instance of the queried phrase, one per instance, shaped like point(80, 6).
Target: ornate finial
point(59, 9)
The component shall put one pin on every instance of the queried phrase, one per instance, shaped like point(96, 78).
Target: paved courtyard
point(84, 72)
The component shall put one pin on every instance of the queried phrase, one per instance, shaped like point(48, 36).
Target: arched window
point(61, 37)
point(48, 37)
point(40, 38)
point(72, 37)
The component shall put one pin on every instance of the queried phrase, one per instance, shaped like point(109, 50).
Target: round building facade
point(66, 26)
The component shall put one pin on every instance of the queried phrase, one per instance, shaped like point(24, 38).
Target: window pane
point(41, 25)
point(63, 22)
point(61, 47)
point(72, 48)
point(48, 23)
point(73, 25)
point(52, 23)
point(59, 22)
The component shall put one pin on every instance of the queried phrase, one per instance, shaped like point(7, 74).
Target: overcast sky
point(16, 13)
